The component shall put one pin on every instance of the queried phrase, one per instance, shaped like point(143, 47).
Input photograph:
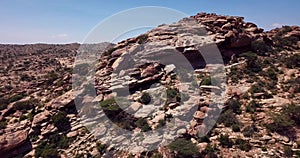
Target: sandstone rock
point(242, 41)
point(10, 141)
point(199, 115)
point(40, 118)
point(149, 71)
point(202, 146)
point(62, 101)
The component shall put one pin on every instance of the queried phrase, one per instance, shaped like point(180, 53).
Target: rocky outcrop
point(10, 141)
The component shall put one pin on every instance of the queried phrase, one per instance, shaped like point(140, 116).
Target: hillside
point(176, 77)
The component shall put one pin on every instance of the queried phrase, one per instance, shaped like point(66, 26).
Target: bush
point(206, 81)
point(172, 92)
point(243, 144)
point(210, 151)
point(3, 105)
point(3, 124)
point(256, 89)
point(228, 118)
point(143, 124)
point(235, 128)
point(293, 111)
point(225, 141)
point(249, 131)
point(161, 123)
point(288, 152)
point(109, 105)
point(250, 56)
point(145, 98)
point(251, 107)
point(204, 139)
point(49, 147)
point(281, 124)
point(234, 105)
point(184, 148)
point(61, 121)
point(260, 47)
point(142, 39)
point(101, 147)
point(156, 155)
point(271, 74)
point(293, 61)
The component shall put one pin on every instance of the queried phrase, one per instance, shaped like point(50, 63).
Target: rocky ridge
point(263, 82)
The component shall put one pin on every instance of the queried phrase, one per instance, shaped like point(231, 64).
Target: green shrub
point(60, 120)
point(206, 81)
point(204, 139)
point(25, 77)
point(143, 124)
point(184, 148)
point(243, 144)
point(145, 98)
point(49, 147)
point(249, 131)
point(250, 56)
point(251, 107)
point(142, 38)
point(225, 141)
point(235, 105)
point(16, 98)
point(109, 105)
point(235, 128)
point(210, 151)
point(156, 155)
point(3, 124)
point(161, 123)
point(228, 118)
point(293, 61)
point(288, 152)
point(3, 105)
point(271, 74)
point(101, 148)
point(172, 92)
point(281, 124)
point(293, 111)
point(256, 89)
point(260, 47)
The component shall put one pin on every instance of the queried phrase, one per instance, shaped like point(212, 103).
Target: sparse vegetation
point(225, 141)
point(101, 147)
point(243, 144)
point(235, 105)
point(142, 38)
point(228, 118)
point(61, 121)
point(145, 98)
point(183, 148)
point(143, 124)
point(49, 147)
point(285, 120)
point(206, 81)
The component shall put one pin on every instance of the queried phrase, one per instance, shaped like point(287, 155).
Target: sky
point(69, 21)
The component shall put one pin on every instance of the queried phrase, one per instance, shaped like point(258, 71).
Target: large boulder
point(9, 141)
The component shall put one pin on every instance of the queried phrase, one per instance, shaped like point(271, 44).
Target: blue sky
point(66, 21)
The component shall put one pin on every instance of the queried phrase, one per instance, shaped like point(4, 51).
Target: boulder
point(10, 141)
